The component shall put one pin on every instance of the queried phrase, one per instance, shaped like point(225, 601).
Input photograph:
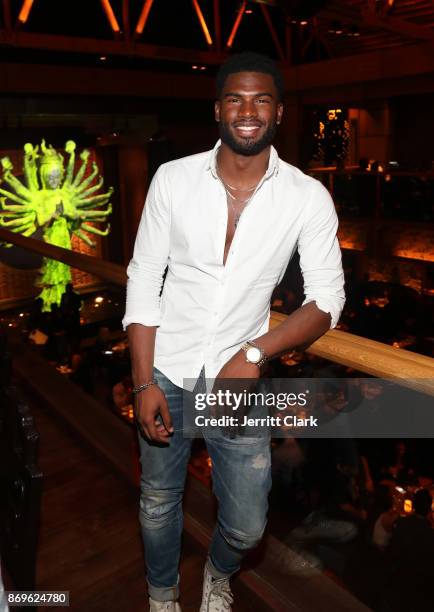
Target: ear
point(217, 110)
point(279, 113)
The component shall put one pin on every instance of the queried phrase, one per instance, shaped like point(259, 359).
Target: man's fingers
point(159, 425)
point(155, 434)
point(165, 415)
point(144, 430)
point(150, 425)
point(153, 416)
point(161, 428)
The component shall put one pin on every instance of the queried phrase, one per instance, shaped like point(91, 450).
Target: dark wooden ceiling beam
point(93, 46)
point(370, 19)
point(82, 81)
point(359, 94)
point(273, 33)
point(358, 50)
point(7, 15)
point(126, 18)
point(217, 26)
point(395, 64)
point(397, 26)
point(416, 14)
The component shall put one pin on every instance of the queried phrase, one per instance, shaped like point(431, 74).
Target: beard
point(247, 146)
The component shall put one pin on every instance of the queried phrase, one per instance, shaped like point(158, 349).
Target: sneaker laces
point(220, 588)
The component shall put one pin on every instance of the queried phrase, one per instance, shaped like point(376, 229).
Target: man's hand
point(241, 376)
point(152, 414)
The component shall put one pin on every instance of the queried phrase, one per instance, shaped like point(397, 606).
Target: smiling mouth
point(247, 130)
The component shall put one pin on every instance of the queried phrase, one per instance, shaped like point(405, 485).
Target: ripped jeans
point(241, 478)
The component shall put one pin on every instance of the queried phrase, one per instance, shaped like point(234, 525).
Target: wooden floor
point(89, 537)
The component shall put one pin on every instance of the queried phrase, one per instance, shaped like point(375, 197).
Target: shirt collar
point(273, 162)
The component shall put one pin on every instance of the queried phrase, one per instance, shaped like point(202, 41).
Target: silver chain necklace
point(237, 188)
point(237, 215)
point(227, 185)
point(244, 203)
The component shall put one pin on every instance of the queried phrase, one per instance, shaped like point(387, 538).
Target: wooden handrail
point(114, 273)
point(381, 360)
point(356, 170)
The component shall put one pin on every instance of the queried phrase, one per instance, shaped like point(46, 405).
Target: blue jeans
point(241, 478)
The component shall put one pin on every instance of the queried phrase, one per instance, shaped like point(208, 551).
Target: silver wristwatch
point(254, 353)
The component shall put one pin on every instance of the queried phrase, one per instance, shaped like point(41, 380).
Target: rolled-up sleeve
point(320, 255)
point(151, 252)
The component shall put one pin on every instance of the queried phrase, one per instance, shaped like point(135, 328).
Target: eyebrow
point(257, 95)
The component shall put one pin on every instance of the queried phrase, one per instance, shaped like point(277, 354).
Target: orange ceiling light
point(25, 11)
point(202, 22)
point(147, 5)
point(236, 25)
point(110, 16)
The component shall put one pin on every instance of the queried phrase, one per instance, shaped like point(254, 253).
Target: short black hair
point(248, 61)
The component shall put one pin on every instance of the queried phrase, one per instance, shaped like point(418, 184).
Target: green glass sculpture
point(60, 202)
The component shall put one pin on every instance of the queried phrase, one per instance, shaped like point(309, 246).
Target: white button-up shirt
point(207, 310)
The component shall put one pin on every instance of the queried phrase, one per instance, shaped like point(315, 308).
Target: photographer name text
point(288, 420)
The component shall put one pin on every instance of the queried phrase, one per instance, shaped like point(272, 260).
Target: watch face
point(253, 354)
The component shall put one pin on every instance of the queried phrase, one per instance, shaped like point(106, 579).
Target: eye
point(263, 101)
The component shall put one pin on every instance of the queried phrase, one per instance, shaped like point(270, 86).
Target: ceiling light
point(202, 22)
point(110, 16)
point(144, 16)
point(25, 10)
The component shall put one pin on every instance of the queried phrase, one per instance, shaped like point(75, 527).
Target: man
point(225, 223)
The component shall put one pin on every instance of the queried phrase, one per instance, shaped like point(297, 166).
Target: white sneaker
point(216, 595)
point(163, 606)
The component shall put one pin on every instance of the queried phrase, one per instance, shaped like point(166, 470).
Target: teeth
point(247, 128)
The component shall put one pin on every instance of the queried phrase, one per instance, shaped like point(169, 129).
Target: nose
point(247, 109)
